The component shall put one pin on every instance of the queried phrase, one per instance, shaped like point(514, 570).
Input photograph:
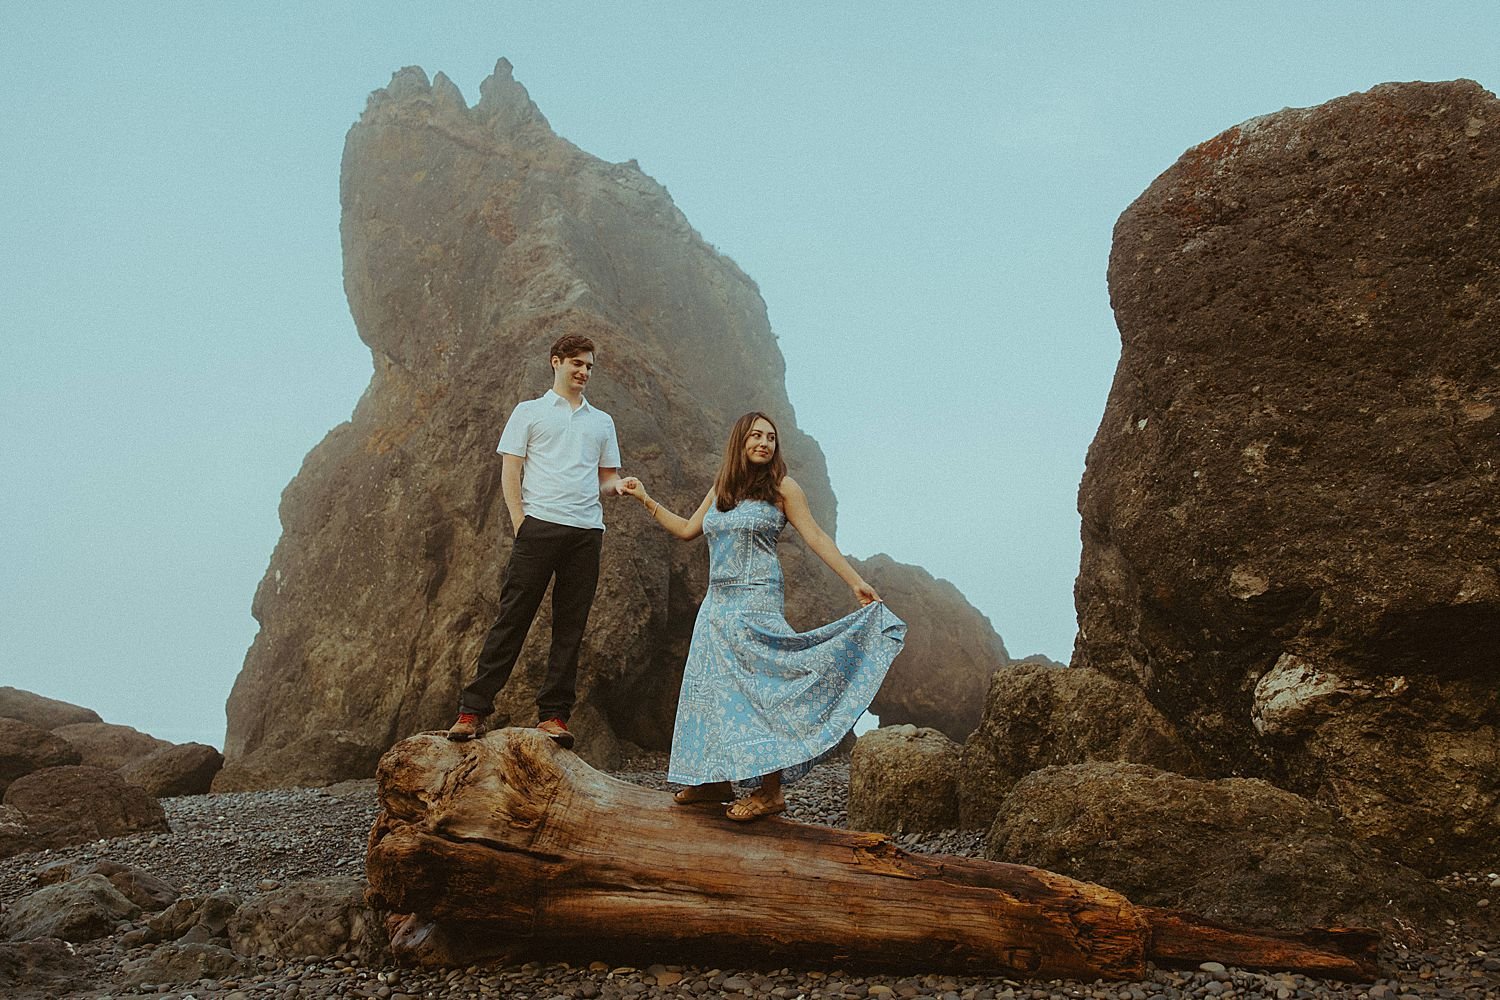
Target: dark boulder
point(142, 888)
point(62, 806)
point(110, 746)
point(25, 748)
point(82, 909)
point(43, 968)
point(327, 916)
point(182, 963)
point(1236, 850)
point(180, 769)
point(191, 919)
point(903, 780)
point(15, 835)
point(44, 713)
point(1038, 716)
point(1289, 531)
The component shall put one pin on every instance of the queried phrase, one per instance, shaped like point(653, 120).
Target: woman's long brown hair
point(739, 478)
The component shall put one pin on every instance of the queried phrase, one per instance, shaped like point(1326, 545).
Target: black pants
point(542, 550)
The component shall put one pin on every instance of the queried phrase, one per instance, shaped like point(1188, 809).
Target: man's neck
point(572, 395)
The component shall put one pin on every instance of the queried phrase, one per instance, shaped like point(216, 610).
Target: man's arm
point(513, 448)
point(510, 487)
point(609, 462)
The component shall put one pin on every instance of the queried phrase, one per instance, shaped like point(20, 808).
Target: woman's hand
point(630, 486)
point(865, 593)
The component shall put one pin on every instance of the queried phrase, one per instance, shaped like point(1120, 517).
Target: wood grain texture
point(507, 845)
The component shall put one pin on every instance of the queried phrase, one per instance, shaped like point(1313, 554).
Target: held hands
point(630, 486)
point(865, 593)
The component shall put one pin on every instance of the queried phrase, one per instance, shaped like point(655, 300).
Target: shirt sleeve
point(609, 455)
point(517, 431)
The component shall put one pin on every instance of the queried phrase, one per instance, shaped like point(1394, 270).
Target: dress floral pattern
point(756, 696)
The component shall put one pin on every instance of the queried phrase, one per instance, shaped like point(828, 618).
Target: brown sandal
point(714, 791)
point(753, 807)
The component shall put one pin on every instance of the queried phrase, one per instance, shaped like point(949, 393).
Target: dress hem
point(895, 632)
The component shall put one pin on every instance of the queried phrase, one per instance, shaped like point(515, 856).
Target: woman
point(760, 703)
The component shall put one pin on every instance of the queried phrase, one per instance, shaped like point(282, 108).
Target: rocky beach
point(1281, 720)
point(241, 847)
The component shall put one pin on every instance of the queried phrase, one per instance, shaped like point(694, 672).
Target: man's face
point(573, 372)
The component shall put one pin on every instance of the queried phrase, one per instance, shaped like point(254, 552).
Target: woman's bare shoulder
point(789, 491)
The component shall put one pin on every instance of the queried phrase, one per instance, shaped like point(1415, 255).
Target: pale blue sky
point(924, 194)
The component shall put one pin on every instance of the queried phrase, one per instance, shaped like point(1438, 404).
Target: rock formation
point(324, 916)
point(180, 769)
point(940, 677)
point(190, 920)
point(473, 238)
point(1039, 716)
point(44, 713)
point(59, 806)
point(25, 748)
point(157, 767)
point(44, 967)
point(108, 745)
point(82, 909)
point(173, 938)
point(183, 963)
point(140, 887)
point(1290, 535)
point(903, 779)
point(15, 834)
point(1237, 850)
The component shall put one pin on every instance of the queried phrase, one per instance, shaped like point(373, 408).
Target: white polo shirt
point(564, 450)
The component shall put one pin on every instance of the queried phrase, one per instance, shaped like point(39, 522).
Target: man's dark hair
point(570, 345)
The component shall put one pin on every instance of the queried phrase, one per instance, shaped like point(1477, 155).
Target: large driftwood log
point(508, 845)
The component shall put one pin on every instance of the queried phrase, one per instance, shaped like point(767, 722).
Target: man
point(570, 458)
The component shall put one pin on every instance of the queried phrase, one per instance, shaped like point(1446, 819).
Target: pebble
point(255, 842)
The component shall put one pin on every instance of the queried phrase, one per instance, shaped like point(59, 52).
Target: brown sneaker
point(558, 730)
point(466, 728)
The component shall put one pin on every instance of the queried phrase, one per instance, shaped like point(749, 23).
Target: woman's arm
point(794, 502)
point(686, 528)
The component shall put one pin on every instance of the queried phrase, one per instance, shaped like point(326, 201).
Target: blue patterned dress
point(756, 696)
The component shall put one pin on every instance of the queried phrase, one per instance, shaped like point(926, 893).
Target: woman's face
point(760, 443)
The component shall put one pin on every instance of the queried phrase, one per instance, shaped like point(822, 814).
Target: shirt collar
point(553, 397)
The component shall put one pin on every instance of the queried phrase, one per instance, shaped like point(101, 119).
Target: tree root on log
point(509, 846)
